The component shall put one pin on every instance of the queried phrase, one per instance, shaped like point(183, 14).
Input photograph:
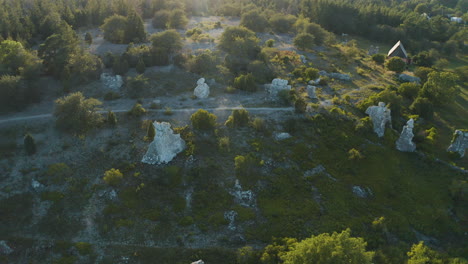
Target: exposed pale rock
point(231, 217)
point(311, 91)
point(202, 90)
point(336, 75)
point(380, 116)
point(282, 136)
point(36, 185)
point(315, 82)
point(303, 59)
point(408, 78)
point(405, 142)
point(459, 142)
point(244, 198)
point(165, 146)
point(112, 82)
point(198, 262)
point(4, 248)
point(276, 86)
point(362, 192)
point(319, 169)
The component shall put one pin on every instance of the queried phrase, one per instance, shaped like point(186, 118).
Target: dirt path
point(250, 109)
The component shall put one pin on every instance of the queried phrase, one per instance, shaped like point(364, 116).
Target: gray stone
point(408, 78)
point(405, 142)
point(202, 90)
point(311, 91)
point(459, 142)
point(315, 82)
point(165, 146)
point(231, 217)
point(198, 262)
point(36, 185)
point(4, 248)
point(336, 75)
point(282, 136)
point(362, 192)
point(244, 198)
point(319, 169)
point(276, 86)
point(380, 116)
point(303, 59)
point(112, 82)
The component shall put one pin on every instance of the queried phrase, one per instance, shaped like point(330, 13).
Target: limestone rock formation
point(202, 90)
point(405, 142)
point(362, 192)
point(282, 136)
point(459, 142)
point(4, 248)
point(276, 86)
point(198, 262)
point(311, 91)
point(244, 198)
point(336, 75)
point(36, 185)
point(303, 59)
point(165, 146)
point(315, 82)
point(231, 217)
point(380, 116)
point(408, 78)
point(112, 82)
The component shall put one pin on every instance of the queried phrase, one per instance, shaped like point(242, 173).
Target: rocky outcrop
point(362, 192)
point(244, 198)
point(408, 78)
point(303, 59)
point(276, 86)
point(282, 136)
point(405, 142)
point(459, 142)
point(165, 146)
point(311, 91)
point(202, 90)
point(336, 75)
point(231, 217)
point(198, 262)
point(112, 82)
point(380, 116)
point(315, 82)
point(4, 248)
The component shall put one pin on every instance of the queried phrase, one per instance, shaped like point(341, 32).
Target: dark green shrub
point(378, 58)
point(423, 107)
point(238, 118)
point(311, 73)
point(84, 248)
point(29, 144)
point(409, 90)
point(119, 65)
point(88, 38)
point(422, 73)
point(150, 132)
point(136, 85)
point(177, 19)
point(270, 43)
point(304, 41)
point(111, 118)
point(395, 64)
point(137, 110)
point(300, 105)
point(113, 177)
point(140, 67)
point(245, 82)
point(254, 20)
point(75, 113)
point(282, 23)
point(161, 19)
point(203, 120)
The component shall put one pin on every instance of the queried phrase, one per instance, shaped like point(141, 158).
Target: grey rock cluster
point(311, 91)
point(202, 90)
point(317, 170)
point(315, 82)
point(459, 142)
point(276, 86)
point(282, 136)
point(112, 82)
point(36, 185)
point(380, 116)
point(408, 78)
point(198, 262)
point(336, 75)
point(405, 142)
point(165, 146)
point(4, 248)
point(244, 198)
point(231, 217)
point(362, 192)
point(303, 59)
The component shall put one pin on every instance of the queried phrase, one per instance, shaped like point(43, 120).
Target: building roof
point(395, 48)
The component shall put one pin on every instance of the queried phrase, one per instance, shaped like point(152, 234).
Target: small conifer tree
point(29, 144)
point(150, 133)
point(88, 38)
point(111, 118)
point(140, 67)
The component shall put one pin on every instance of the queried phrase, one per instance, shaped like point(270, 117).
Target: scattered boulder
point(244, 198)
point(311, 91)
point(202, 90)
point(362, 192)
point(315, 82)
point(165, 146)
point(198, 262)
point(276, 86)
point(459, 142)
point(231, 217)
point(4, 248)
point(112, 82)
point(408, 78)
point(282, 136)
point(303, 59)
point(317, 170)
point(380, 116)
point(405, 142)
point(336, 75)
point(36, 185)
